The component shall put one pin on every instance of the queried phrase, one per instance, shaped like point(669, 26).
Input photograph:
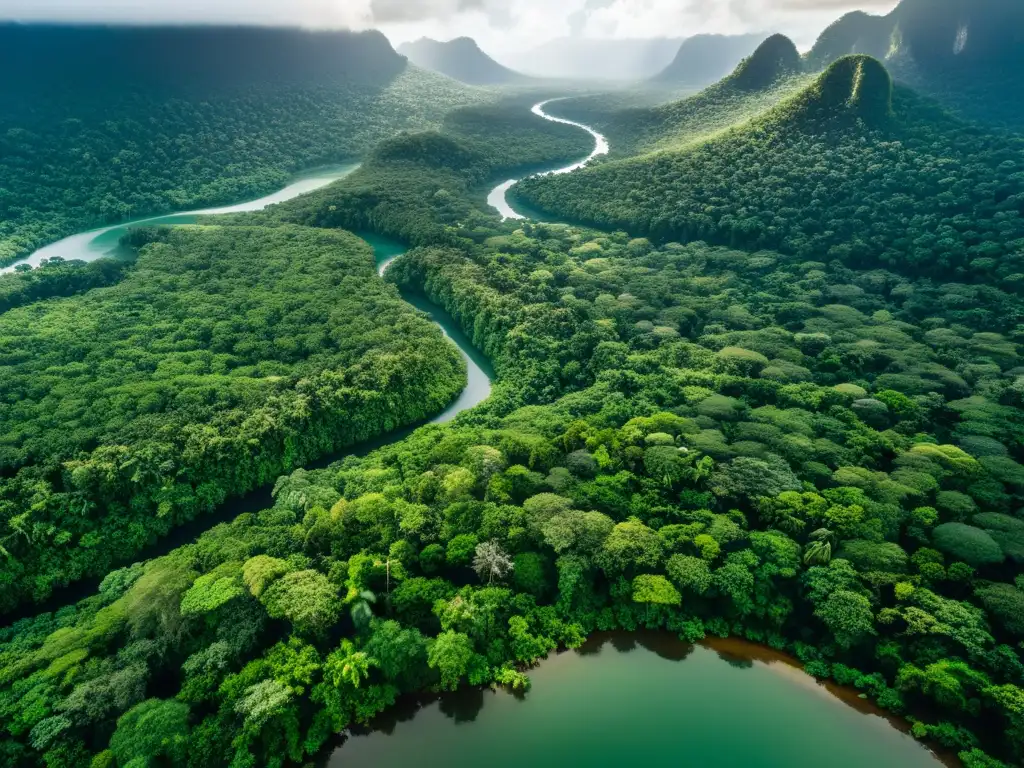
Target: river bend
point(498, 198)
point(105, 243)
point(706, 711)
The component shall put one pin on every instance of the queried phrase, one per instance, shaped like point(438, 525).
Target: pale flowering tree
point(491, 562)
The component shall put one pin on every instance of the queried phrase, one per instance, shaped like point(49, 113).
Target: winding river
point(104, 242)
point(498, 198)
point(640, 698)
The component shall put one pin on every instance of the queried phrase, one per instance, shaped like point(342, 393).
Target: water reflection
point(627, 698)
point(662, 644)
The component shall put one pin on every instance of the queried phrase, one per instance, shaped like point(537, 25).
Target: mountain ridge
point(834, 146)
point(968, 54)
point(773, 72)
point(703, 59)
point(89, 56)
point(461, 59)
point(775, 58)
point(109, 123)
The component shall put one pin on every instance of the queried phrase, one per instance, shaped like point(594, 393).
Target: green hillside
point(759, 82)
point(848, 168)
point(428, 187)
point(106, 124)
point(855, 33)
point(773, 60)
point(969, 54)
point(938, 35)
point(460, 59)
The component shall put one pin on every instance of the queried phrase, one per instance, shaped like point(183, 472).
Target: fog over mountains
point(596, 58)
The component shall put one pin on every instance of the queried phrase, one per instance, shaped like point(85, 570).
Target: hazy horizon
point(499, 26)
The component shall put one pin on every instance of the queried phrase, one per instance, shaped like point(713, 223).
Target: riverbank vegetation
point(784, 404)
point(427, 187)
point(57, 277)
point(197, 117)
point(806, 455)
point(223, 358)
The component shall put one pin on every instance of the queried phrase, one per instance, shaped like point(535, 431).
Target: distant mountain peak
point(460, 59)
point(704, 59)
point(776, 58)
point(858, 83)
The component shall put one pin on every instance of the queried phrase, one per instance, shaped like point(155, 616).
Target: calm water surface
point(644, 700)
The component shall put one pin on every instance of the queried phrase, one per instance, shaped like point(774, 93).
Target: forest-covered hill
point(937, 34)
point(460, 59)
point(969, 54)
point(426, 187)
point(763, 79)
point(848, 167)
point(105, 124)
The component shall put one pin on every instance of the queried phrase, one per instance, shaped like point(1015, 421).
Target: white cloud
point(312, 13)
point(499, 25)
point(801, 19)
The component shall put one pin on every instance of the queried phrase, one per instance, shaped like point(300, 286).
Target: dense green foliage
point(56, 277)
point(225, 357)
point(420, 187)
point(817, 447)
point(829, 172)
point(193, 118)
point(739, 443)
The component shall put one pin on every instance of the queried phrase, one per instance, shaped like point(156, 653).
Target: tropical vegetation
point(776, 393)
point(223, 358)
point(197, 118)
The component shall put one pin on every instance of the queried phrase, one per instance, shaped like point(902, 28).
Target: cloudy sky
point(499, 25)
